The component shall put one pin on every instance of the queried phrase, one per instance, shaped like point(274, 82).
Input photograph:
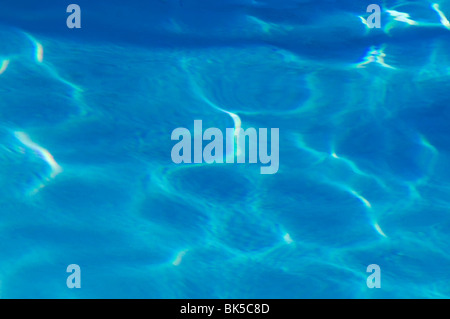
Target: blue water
point(87, 178)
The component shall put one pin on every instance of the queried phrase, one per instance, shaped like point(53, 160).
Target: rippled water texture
point(86, 175)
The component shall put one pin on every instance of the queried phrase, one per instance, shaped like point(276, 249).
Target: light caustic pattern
point(364, 155)
point(42, 152)
point(4, 66)
point(49, 71)
point(395, 16)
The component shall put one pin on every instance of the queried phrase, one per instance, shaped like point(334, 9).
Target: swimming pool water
point(86, 175)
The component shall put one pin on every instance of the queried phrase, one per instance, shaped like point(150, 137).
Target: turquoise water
point(85, 123)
